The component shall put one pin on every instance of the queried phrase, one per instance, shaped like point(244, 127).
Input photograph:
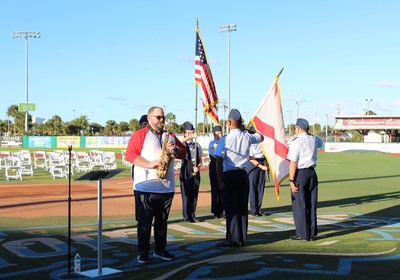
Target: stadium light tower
point(26, 35)
point(228, 28)
point(290, 121)
point(368, 101)
point(298, 104)
point(224, 107)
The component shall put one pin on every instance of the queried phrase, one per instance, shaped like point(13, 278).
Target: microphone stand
point(69, 274)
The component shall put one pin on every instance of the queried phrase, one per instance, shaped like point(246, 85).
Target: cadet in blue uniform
point(232, 154)
point(303, 181)
point(190, 174)
point(216, 203)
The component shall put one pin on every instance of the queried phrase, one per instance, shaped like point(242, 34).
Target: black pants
point(235, 198)
point(256, 186)
point(304, 203)
point(151, 206)
point(190, 186)
point(216, 203)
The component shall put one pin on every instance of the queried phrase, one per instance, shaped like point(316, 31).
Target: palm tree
point(134, 125)
point(54, 126)
point(19, 118)
point(111, 128)
point(170, 122)
point(82, 123)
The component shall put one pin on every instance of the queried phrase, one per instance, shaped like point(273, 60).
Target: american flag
point(268, 120)
point(203, 77)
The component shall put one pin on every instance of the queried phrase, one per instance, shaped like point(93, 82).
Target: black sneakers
point(166, 256)
point(144, 258)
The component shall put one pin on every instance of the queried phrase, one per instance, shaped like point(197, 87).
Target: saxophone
point(165, 159)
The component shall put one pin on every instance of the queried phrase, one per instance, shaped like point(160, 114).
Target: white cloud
point(387, 83)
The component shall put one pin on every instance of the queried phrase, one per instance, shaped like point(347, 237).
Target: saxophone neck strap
point(158, 134)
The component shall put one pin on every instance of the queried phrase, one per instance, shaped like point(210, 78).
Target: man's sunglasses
point(159, 117)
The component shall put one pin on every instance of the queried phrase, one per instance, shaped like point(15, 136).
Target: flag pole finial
point(280, 72)
point(197, 23)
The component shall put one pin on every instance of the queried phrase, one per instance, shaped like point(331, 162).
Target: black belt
point(311, 168)
point(235, 170)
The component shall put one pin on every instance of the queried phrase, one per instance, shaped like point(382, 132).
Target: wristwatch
point(291, 181)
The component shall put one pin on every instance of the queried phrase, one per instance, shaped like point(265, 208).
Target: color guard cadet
point(303, 181)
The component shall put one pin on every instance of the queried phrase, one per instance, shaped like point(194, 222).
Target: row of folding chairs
point(16, 164)
point(57, 162)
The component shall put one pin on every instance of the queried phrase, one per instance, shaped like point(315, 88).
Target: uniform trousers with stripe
point(235, 198)
point(304, 203)
point(190, 186)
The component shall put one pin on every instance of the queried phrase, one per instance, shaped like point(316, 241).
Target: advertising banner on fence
point(107, 141)
point(65, 141)
point(11, 141)
point(39, 141)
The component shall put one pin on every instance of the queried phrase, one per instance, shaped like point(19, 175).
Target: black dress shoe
point(256, 214)
point(298, 238)
point(198, 220)
point(189, 220)
point(237, 244)
point(224, 243)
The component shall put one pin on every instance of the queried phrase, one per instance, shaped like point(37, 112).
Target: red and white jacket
point(147, 144)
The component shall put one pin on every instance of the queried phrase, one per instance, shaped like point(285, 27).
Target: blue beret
point(217, 128)
point(188, 126)
point(235, 115)
point(143, 119)
point(302, 123)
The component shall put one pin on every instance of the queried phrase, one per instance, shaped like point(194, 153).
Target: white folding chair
point(97, 161)
point(3, 155)
point(110, 161)
point(40, 160)
point(124, 161)
point(13, 168)
point(66, 160)
point(26, 163)
point(82, 162)
point(58, 168)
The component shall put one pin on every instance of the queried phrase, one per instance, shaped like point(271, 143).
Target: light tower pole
point(368, 100)
point(298, 104)
point(228, 28)
point(224, 107)
point(26, 35)
point(290, 122)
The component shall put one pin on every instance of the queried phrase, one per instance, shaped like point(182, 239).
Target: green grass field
point(358, 216)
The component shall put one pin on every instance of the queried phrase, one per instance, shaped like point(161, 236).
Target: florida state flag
point(268, 120)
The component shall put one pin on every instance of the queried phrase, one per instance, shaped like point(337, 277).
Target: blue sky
point(112, 60)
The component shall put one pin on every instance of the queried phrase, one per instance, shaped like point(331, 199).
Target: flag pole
point(280, 72)
point(195, 112)
point(195, 127)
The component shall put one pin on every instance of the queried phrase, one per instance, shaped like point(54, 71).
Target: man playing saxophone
point(153, 195)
